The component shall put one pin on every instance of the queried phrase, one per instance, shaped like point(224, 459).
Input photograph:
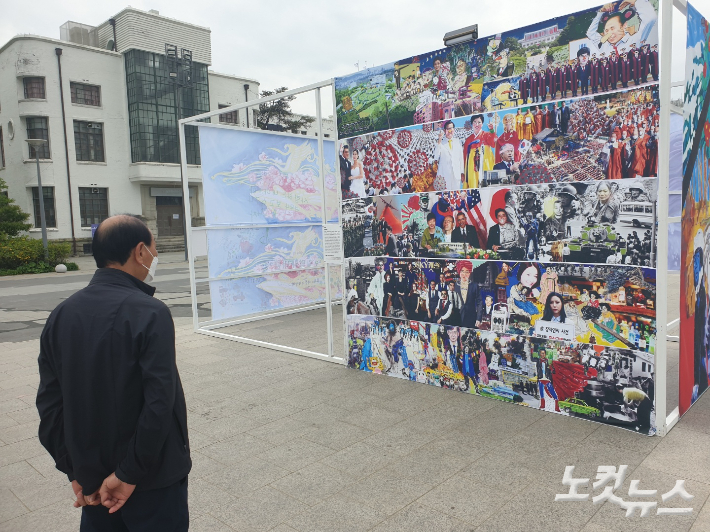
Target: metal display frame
point(210, 327)
point(664, 420)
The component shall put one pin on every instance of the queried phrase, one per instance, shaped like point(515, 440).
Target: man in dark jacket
point(111, 406)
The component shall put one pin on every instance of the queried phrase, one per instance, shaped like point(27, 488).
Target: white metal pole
point(188, 225)
point(324, 219)
point(664, 148)
point(346, 334)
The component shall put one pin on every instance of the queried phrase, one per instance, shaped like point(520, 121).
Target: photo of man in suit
point(464, 233)
point(507, 163)
point(345, 168)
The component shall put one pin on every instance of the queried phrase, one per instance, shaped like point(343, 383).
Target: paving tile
point(417, 518)
point(358, 460)
point(234, 450)
point(337, 435)
point(246, 476)
point(25, 414)
point(282, 430)
point(12, 405)
point(261, 510)
point(692, 463)
point(19, 432)
point(203, 466)
point(204, 498)
point(36, 495)
point(320, 415)
point(306, 398)
point(45, 466)
point(403, 438)
point(207, 523)
point(466, 499)
point(58, 517)
point(18, 392)
point(19, 472)
point(340, 513)
point(226, 427)
point(10, 505)
point(386, 491)
point(295, 454)
point(16, 452)
point(375, 418)
point(313, 483)
point(534, 508)
point(702, 523)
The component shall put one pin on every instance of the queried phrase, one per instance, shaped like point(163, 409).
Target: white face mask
point(153, 266)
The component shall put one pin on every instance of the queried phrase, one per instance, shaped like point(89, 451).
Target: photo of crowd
point(610, 136)
point(599, 50)
point(602, 222)
point(593, 304)
point(604, 384)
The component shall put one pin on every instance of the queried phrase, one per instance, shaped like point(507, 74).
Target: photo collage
point(499, 208)
point(605, 384)
point(612, 136)
point(602, 49)
point(593, 304)
point(601, 222)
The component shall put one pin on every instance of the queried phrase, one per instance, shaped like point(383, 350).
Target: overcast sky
point(297, 42)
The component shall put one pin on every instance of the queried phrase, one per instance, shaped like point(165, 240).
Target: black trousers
point(160, 510)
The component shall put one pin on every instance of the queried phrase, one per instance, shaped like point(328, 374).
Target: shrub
point(20, 251)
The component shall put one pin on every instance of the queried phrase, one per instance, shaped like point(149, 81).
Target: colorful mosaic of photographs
point(601, 49)
point(604, 384)
point(606, 222)
point(594, 304)
point(610, 136)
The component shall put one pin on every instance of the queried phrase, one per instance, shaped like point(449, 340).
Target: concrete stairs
point(168, 244)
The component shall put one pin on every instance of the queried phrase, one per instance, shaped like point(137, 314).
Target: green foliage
point(279, 113)
point(512, 44)
point(23, 251)
point(37, 267)
point(12, 219)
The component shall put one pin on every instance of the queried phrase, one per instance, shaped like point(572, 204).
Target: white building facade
point(107, 108)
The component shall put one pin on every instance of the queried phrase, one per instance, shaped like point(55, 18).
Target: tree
point(512, 44)
point(279, 113)
point(12, 219)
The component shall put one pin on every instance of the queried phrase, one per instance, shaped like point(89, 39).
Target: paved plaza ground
point(288, 443)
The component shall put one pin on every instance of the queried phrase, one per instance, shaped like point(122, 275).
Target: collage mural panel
point(593, 51)
point(594, 304)
point(610, 136)
point(607, 384)
point(607, 222)
point(499, 215)
point(695, 225)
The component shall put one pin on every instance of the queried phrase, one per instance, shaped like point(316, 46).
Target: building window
point(49, 212)
point(93, 205)
point(89, 141)
point(85, 94)
point(34, 88)
point(38, 128)
point(228, 118)
point(326, 135)
point(152, 109)
point(2, 150)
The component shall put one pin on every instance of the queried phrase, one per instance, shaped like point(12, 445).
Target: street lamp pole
point(37, 144)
